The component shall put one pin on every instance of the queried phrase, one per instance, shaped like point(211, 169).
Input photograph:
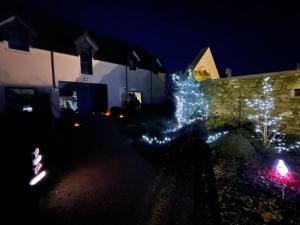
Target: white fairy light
point(214, 137)
point(191, 106)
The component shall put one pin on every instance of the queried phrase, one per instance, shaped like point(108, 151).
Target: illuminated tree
point(191, 106)
point(191, 103)
point(266, 125)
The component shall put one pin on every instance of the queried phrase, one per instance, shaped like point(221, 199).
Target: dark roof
point(54, 35)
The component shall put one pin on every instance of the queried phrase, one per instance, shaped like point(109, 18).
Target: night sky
point(247, 37)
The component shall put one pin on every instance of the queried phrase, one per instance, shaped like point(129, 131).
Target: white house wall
point(33, 69)
point(24, 68)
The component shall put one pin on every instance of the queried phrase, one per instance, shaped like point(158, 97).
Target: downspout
point(126, 80)
point(151, 87)
point(53, 71)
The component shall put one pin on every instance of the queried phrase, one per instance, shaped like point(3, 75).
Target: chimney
point(228, 72)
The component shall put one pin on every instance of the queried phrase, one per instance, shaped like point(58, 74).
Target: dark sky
point(247, 37)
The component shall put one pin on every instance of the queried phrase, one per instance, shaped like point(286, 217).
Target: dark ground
point(98, 176)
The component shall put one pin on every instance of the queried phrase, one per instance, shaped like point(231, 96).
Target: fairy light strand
point(191, 106)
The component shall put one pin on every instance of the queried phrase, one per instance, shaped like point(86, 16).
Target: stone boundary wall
point(227, 98)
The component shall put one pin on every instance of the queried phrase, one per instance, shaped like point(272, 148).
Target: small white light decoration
point(281, 168)
point(36, 162)
point(27, 108)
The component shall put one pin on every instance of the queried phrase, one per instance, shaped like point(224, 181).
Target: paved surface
point(114, 184)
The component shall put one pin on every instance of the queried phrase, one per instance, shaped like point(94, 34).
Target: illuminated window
point(137, 95)
point(20, 99)
point(69, 102)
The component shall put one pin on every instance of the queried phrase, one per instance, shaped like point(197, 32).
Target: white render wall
point(33, 69)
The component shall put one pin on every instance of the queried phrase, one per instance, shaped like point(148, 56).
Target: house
point(203, 66)
point(56, 67)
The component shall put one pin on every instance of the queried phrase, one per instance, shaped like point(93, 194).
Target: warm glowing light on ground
point(76, 124)
point(121, 116)
point(107, 113)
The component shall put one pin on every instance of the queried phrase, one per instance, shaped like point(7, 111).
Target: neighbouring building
point(204, 66)
point(56, 67)
point(227, 95)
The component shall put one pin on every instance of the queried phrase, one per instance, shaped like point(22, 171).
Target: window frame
point(20, 98)
point(88, 64)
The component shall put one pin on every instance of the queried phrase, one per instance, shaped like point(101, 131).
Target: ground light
point(37, 167)
point(282, 174)
point(76, 124)
point(107, 113)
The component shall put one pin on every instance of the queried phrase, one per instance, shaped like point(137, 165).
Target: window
point(86, 62)
point(137, 95)
point(69, 102)
point(297, 92)
point(20, 99)
point(18, 41)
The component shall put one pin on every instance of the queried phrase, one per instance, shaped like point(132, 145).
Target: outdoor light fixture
point(107, 113)
point(121, 116)
point(282, 175)
point(37, 163)
point(281, 168)
point(76, 124)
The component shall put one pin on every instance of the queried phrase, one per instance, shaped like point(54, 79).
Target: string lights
point(266, 125)
point(214, 137)
point(191, 106)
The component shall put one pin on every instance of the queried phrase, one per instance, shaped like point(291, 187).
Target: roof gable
point(204, 62)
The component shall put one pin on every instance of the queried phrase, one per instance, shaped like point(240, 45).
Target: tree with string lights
point(266, 125)
point(191, 106)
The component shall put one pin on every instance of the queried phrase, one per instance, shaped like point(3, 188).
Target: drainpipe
point(151, 87)
point(53, 71)
point(126, 80)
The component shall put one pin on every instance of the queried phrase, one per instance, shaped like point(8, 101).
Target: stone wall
point(227, 98)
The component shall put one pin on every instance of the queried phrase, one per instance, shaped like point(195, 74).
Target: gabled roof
point(54, 35)
point(16, 20)
point(204, 61)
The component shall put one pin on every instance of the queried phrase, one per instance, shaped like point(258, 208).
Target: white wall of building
point(33, 69)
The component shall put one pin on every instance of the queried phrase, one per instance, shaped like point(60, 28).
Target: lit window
point(137, 96)
point(20, 99)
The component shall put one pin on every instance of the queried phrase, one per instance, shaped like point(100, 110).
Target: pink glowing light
point(281, 171)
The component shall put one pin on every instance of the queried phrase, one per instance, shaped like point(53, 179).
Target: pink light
point(38, 168)
point(36, 152)
point(37, 160)
point(281, 171)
